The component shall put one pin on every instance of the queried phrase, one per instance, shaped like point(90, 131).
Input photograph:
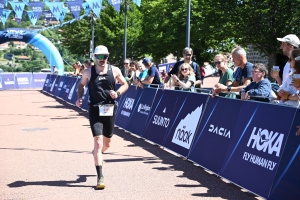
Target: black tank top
point(100, 85)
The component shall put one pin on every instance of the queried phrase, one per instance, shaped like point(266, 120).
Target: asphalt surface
point(45, 149)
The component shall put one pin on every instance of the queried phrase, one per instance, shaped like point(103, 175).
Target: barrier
point(10, 81)
point(252, 144)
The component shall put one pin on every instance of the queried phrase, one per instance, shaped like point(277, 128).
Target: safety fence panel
point(9, 81)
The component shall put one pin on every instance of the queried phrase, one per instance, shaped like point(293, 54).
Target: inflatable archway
point(37, 40)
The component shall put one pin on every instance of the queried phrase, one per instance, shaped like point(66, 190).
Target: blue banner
point(2, 6)
point(215, 133)
point(8, 81)
point(56, 8)
point(60, 84)
point(257, 144)
point(116, 4)
point(4, 16)
point(185, 120)
point(286, 182)
point(86, 8)
point(32, 17)
point(75, 7)
point(126, 107)
point(141, 112)
point(64, 87)
point(137, 2)
point(23, 80)
point(63, 14)
point(46, 82)
point(38, 80)
point(70, 87)
point(95, 5)
point(18, 7)
point(48, 15)
point(37, 8)
point(54, 84)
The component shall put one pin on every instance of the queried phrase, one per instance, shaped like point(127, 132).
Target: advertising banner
point(127, 106)
point(69, 89)
point(1, 88)
point(38, 80)
point(257, 145)
point(64, 87)
point(215, 133)
point(50, 83)
point(54, 85)
point(286, 182)
point(85, 99)
point(47, 81)
point(72, 97)
point(60, 84)
point(23, 80)
point(8, 81)
point(141, 112)
point(162, 114)
point(186, 117)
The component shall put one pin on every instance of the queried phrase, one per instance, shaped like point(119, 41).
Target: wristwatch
point(118, 93)
point(177, 80)
point(228, 88)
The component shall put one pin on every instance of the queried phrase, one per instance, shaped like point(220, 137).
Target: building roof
point(23, 58)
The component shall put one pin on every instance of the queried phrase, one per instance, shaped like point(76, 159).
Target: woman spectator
point(186, 78)
point(288, 94)
point(131, 73)
point(163, 75)
point(226, 77)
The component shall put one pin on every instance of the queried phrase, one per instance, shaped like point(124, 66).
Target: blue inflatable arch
point(37, 40)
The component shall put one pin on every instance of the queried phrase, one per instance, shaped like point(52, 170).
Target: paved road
point(45, 149)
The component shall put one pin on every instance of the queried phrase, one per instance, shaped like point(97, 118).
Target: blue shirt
point(143, 75)
point(262, 88)
point(154, 72)
point(240, 74)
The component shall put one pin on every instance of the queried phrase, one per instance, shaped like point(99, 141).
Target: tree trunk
point(178, 55)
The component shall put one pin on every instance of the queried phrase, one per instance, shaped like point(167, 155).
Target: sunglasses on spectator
point(125, 63)
point(184, 69)
point(217, 63)
point(256, 71)
point(101, 56)
point(188, 54)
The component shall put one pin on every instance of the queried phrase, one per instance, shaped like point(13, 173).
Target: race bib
point(106, 110)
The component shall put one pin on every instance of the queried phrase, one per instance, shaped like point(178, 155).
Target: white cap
point(291, 39)
point(101, 50)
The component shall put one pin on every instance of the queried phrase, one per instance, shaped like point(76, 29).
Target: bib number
point(106, 110)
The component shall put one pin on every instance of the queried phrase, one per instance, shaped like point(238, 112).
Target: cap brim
point(281, 39)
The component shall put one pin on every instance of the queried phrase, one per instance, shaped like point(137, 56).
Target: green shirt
point(227, 76)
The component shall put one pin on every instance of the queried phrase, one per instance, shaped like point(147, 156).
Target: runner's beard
point(101, 63)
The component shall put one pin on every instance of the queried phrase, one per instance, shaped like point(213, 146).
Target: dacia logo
point(128, 104)
point(219, 131)
point(265, 140)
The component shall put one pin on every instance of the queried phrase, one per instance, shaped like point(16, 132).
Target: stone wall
point(254, 56)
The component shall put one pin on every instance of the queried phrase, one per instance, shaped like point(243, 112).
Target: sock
point(99, 171)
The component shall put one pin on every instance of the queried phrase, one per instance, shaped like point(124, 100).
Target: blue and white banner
point(75, 7)
point(48, 15)
point(23, 80)
point(86, 7)
point(37, 8)
point(26, 2)
point(2, 5)
point(116, 4)
point(32, 17)
point(56, 8)
point(8, 81)
point(18, 7)
point(137, 2)
point(4, 16)
point(95, 5)
point(38, 80)
point(63, 14)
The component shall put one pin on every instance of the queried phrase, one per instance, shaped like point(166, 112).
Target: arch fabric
point(37, 40)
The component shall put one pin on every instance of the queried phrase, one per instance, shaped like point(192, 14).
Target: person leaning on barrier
point(243, 74)
point(101, 80)
point(153, 78)
point(143, 74)
point(226, 77)
point(185, 79)
point(88, 64)
point(288, 44)
point(187, 54)
point(260, 86)
point(289, 94)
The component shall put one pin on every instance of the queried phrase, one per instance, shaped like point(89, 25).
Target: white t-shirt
point(286, 71)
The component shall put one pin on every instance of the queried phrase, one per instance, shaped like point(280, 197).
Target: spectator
point(289, 94)
point(243, 73)
point(187, 54)
point(143, 74)
point(288, 43)
point(163, 75)
point(55, 71)
point(185, 79)
point(260, 86)
point(226, 77)
point(126, 69)
point(202, 74)
point(76, 70)
point(92, 62)
point(135, 71)
point(82, 68)
point(153, 75)
point(88, 64)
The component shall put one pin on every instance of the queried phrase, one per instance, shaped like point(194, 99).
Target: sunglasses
point(217, 63)
point(125, 63)
point(188, 54)
point(184, 69)
point(101, 56)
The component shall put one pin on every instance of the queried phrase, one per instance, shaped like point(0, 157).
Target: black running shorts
point(103, 125)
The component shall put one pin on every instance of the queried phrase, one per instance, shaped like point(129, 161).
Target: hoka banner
point(75, 7)
point(8, 81)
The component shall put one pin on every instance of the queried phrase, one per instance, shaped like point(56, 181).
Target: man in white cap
point(288, 43)
point(101, 79)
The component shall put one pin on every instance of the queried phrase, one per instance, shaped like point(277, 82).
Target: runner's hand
point(79, 102)
point(113, 94)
